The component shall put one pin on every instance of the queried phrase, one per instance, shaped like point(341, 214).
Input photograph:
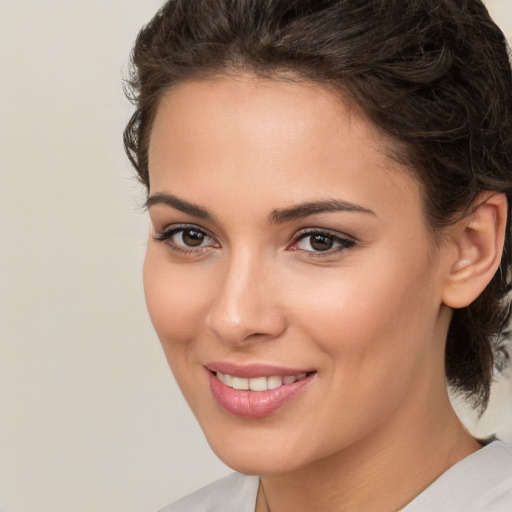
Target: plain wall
point(90, 417)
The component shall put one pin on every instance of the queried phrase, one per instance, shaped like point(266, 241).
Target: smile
point(255, 391)
point(258, 383)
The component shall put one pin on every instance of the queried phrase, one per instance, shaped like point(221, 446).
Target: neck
point(383, 472)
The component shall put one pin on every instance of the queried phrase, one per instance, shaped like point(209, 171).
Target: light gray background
point(90, 417)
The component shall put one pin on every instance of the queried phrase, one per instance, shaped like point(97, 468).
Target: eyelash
point(345, 243)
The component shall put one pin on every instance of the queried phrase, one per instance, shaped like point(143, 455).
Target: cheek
point(176, 299)
point(374, 330)
point(369, 322)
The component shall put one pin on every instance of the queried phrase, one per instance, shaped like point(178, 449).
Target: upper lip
point(249, 371)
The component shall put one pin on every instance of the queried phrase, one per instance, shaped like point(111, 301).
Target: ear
point(478, 240)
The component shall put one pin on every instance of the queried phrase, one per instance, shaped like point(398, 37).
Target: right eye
point(187, 239)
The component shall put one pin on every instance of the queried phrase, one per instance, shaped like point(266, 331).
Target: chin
point(260, 451)
point(256, 462)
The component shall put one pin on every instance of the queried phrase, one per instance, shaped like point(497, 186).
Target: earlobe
point(479, 239)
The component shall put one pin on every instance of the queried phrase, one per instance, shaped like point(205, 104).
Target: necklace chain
point(264, 496)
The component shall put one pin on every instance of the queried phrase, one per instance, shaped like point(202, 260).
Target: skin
point(375, 426)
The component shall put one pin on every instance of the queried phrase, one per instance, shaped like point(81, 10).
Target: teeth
point(258, 383)
point(239, 383)
point(274, 382)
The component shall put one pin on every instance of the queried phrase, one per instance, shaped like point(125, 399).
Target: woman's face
point(288, 252)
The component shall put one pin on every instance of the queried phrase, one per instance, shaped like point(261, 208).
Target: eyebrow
point(179, 204)
point(305, 209)
point(278, 216)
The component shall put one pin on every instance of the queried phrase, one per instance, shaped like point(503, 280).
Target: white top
point(481, 482)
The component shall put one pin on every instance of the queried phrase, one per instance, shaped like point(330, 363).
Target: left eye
point(322, 242)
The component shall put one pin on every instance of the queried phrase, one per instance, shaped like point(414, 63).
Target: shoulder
point(233, 493)
point(481, 482)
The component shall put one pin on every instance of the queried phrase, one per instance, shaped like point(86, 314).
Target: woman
point(329, 187)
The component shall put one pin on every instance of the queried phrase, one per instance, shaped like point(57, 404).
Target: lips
point(256, 390)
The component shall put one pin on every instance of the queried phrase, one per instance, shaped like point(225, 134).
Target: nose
point(246, 307)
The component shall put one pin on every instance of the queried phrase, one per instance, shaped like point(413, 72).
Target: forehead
point(296, 139)
point(256, 111)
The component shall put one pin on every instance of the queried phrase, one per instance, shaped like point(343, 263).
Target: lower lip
point(255, 404)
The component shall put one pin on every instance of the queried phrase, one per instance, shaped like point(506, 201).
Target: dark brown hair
point(434, 75)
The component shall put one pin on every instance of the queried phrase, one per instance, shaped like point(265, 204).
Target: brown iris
point(192, 238)
point(321, 242)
